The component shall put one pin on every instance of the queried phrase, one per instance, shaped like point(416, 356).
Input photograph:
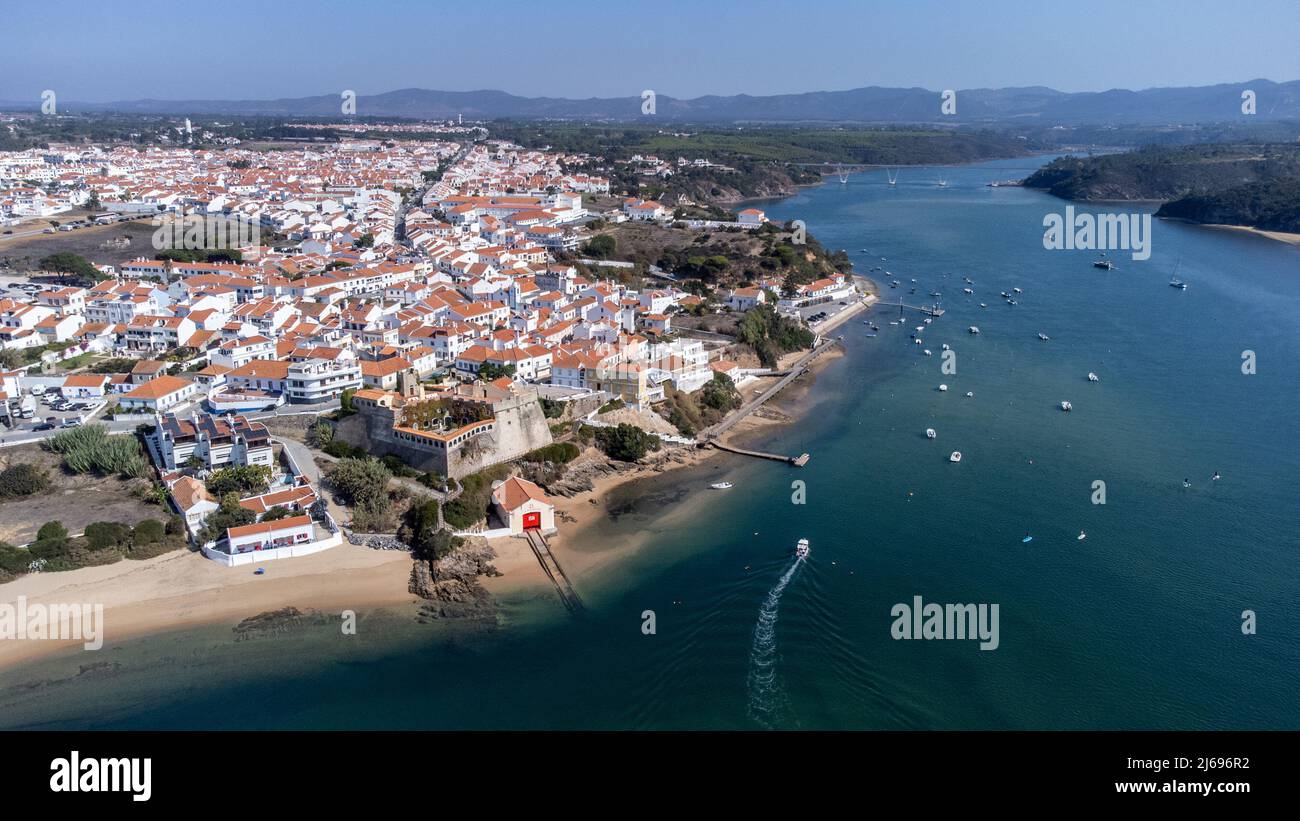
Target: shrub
point(551, 409)
point(470, 507)
point(89, 449)
point(558, 452)
point(342, 450)
point(148, 531)
point(421, 531)
point(626, 443)
point(320, 435)
point(399, 468)
point(246, 480)
point(51, 530)
point(107, 535)
point(278, 513)
point(13, 561)
point(363, 484)
point(228, 515)
point(22, 480)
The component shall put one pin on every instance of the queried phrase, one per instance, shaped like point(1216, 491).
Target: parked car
point(43, 426)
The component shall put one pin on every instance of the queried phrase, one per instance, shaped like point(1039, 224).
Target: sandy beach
point(1280, 236)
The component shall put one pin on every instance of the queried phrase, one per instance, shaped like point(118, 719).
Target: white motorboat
point(930, 434)
point(943, 387)
point(1092, 377)
point(967, 291)
point(721, 485)
point(1044, 337)
point(975, 329)
point(970, 394)
point(1017, 291)
point(802, 549)
point(955, 457)
point(1066, 406)
point(945, 347)
point(982, 305)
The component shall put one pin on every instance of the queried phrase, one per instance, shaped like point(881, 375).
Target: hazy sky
point(256, 49)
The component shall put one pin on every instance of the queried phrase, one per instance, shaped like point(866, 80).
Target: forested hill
point(1232, 184)
point(1271, 206)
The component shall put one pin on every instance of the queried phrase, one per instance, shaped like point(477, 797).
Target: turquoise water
point(1137, 626)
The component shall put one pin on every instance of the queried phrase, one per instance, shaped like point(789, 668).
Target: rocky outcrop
point(277, 622)
point(451, 584)
point(581, 477)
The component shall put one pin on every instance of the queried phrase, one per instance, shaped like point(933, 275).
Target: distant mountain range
point(1034, 105)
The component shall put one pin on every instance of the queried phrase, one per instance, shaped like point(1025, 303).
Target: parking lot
point(51, 411)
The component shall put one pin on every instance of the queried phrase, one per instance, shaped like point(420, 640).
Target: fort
point(453, 432)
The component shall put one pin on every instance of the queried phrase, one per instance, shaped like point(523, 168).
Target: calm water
point(1137, 626)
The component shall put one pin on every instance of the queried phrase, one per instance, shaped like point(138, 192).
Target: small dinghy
point(955, 457)
point(930, 434)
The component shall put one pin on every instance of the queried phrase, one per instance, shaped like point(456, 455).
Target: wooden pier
point(798, 461)
point(554, 572)
point(933, 310)
point(710, 436)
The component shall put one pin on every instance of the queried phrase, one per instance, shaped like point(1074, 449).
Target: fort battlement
point(384, 424)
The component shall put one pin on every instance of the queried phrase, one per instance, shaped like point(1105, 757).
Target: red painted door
point(532, 521)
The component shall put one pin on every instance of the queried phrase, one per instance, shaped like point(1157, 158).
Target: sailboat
point(843, 174)
point(1174, 281)
point(943, 182)
point(893, 175)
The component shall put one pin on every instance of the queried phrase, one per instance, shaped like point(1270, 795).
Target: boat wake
point(767, 699)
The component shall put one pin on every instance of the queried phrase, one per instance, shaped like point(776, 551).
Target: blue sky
point(236, 49)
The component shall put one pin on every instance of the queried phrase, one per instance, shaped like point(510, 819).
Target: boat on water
point(1012, 302)
point(1066, 406)
point(1004, 295)
point(1017, 291)
point(722, 485)
point(945, 347)
point(982, 305)
point(1082, 535)
point(930, 434)
point(229, 400)
point(1092, 377)
point(943, 387)
point(1178, 283)
point(974, 329)
point(1044, 337)
point(1104, 264)
point(802, 549)
point(970, 394)
point(955, 457)
point(927, 352)
point(967, 291)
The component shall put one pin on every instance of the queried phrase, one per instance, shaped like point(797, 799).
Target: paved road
point(12, 438)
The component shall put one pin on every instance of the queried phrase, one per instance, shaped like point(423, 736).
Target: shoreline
point(183, 590)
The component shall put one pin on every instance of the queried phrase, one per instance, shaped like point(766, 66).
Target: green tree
point(246, 480)
point(70, 264)
point(602, 246)
point(626, 443)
